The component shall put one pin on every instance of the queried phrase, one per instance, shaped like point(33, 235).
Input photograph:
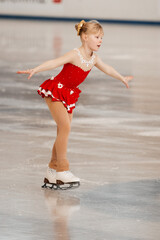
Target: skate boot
point(50, 179)
point(66, 180)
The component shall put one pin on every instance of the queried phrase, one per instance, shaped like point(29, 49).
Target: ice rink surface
point(114, 145)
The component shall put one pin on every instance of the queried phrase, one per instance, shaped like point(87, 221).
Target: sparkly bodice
point(71, 75)
point(64, 87)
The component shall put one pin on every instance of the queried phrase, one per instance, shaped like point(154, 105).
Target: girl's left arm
point(111, 71)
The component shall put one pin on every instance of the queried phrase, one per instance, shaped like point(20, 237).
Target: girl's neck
point(86, 52)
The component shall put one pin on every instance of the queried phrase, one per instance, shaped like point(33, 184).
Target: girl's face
point(94, 40)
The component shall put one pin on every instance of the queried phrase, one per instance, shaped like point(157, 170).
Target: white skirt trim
point(49, 93)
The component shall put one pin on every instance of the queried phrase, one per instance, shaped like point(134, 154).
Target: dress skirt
point(60, 92)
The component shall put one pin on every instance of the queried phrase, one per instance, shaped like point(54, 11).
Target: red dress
point(64, 87)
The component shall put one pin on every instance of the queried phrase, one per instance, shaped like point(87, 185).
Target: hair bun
point(78, 26)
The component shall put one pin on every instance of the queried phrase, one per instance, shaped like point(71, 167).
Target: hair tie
point(80, 25)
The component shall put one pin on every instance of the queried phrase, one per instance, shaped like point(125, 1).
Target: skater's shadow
point(61, 207)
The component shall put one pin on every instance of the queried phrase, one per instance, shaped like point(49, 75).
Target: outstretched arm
point(51, 64)
point(112, 72)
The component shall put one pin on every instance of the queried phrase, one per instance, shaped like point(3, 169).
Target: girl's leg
point(63, 120)
point(53, 162)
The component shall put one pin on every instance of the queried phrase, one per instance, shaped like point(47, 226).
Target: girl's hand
point(28, 71)
point(126, 80)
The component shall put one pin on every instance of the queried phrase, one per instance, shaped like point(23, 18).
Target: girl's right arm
point(51, 64)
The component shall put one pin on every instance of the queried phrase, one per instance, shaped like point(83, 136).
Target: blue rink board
point(116, 21)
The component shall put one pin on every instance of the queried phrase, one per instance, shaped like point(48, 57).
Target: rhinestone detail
point(90, 62)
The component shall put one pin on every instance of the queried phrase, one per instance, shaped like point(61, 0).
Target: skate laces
point(52, 171)
point(68, 173)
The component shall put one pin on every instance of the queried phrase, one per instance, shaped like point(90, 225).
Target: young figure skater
point(62, 92)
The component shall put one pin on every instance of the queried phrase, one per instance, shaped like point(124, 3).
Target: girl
point(62, 92)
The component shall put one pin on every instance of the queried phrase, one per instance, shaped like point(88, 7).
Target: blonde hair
point(92, 26)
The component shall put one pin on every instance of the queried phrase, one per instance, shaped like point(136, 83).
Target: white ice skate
point(60, 180)
point(67, 179)
point(50, 179)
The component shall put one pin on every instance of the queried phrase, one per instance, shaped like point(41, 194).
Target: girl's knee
point(65, 127)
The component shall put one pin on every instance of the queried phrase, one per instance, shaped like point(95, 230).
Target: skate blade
point(60, 185)
point(49, 185)
point(64, 186)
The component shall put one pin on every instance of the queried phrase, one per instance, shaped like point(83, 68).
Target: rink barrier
point(112, 21)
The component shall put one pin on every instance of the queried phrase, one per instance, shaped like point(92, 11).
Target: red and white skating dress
point(64, 87)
